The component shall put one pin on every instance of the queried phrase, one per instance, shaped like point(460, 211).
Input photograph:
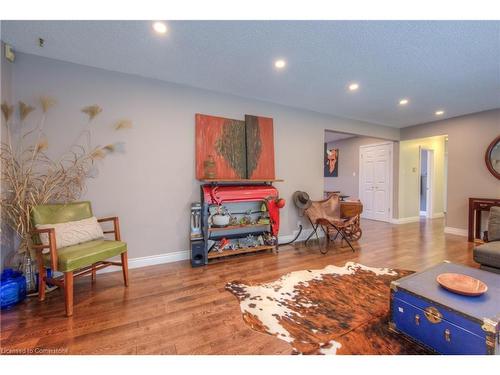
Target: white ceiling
point(334, 136)
point(453, 66)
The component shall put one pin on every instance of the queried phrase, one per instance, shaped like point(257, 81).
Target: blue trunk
point(444, 321)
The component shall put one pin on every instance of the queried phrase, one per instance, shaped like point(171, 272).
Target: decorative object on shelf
point(250, 241)
point(247, 218)
point(209, 167)
point(462, 284)
point(234, 149)
point(221, 218)
point(260, 240)
point(196, 221)
point(264, 220)
point(331, 162)
point(269, 239)
point(30, 176)
point(492, 157)
point(221, 245)
point(280, 203)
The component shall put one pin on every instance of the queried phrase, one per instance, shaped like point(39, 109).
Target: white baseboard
point(405, 220)
point(185, 254)
point(414, 219)
point(456, 231)
point(437, 215)
point(303, 236)
point(151, 260)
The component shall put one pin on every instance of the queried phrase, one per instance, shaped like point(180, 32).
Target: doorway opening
point(426, 172)
point(358, 167)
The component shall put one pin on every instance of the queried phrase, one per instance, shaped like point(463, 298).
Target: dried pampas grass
point(46, 103)
point(123, 124)
point(92, 111)
point(42, 145)
point(24, 110)
point(7, 111)
point(30, 177)
point(98, 154)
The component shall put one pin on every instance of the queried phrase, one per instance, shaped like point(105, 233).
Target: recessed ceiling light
point(353, 86)
point(280, 64)
point(404, 101)
point(439, 113)
point(160, 27)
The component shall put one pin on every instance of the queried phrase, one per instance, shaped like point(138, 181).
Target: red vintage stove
point(253, 210)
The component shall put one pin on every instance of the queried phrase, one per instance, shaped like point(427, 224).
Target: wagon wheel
point(353, 232)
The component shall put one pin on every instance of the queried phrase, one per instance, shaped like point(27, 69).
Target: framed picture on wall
point(331, 162)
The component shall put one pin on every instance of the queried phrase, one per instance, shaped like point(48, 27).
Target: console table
point(476, 206)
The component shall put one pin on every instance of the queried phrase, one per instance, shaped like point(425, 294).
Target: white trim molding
point(456, 231)
point(303, 236)
point(437, 215)
point(151, 260)
point(406, 220)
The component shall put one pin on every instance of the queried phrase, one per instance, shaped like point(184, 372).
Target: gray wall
point(349, 164)
point(468, 139)
point(152, 185)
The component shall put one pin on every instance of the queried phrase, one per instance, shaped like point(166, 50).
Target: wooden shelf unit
point(240, 197)
point(232, 227)
point(225, 253)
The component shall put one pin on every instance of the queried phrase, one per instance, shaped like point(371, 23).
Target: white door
point(375, 181)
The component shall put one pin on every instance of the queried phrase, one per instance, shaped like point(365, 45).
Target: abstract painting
point(331, 162)
point(260, 147)
point(220, 148)
point(234, 149)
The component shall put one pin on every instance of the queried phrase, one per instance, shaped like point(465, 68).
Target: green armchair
point(77, 260)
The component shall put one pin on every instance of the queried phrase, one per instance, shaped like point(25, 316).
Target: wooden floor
point(176, 309)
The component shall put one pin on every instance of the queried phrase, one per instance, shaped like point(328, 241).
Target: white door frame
point(430, 180)
point(391, 175)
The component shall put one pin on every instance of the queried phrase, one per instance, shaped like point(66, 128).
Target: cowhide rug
point(335, 310)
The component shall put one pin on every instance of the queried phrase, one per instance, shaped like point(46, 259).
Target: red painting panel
point(260, 148)
point(220, 148)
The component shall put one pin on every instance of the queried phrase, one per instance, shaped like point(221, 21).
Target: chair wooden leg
point(125, 267)
point(41, 277)
point(68, 292)
point(93, 273)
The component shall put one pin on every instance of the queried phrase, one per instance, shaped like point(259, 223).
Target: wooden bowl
point(462, 284)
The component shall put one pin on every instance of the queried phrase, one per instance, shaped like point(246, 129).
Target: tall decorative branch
point(30, 177)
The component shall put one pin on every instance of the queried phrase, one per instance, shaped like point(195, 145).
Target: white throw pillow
point(72, 232)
